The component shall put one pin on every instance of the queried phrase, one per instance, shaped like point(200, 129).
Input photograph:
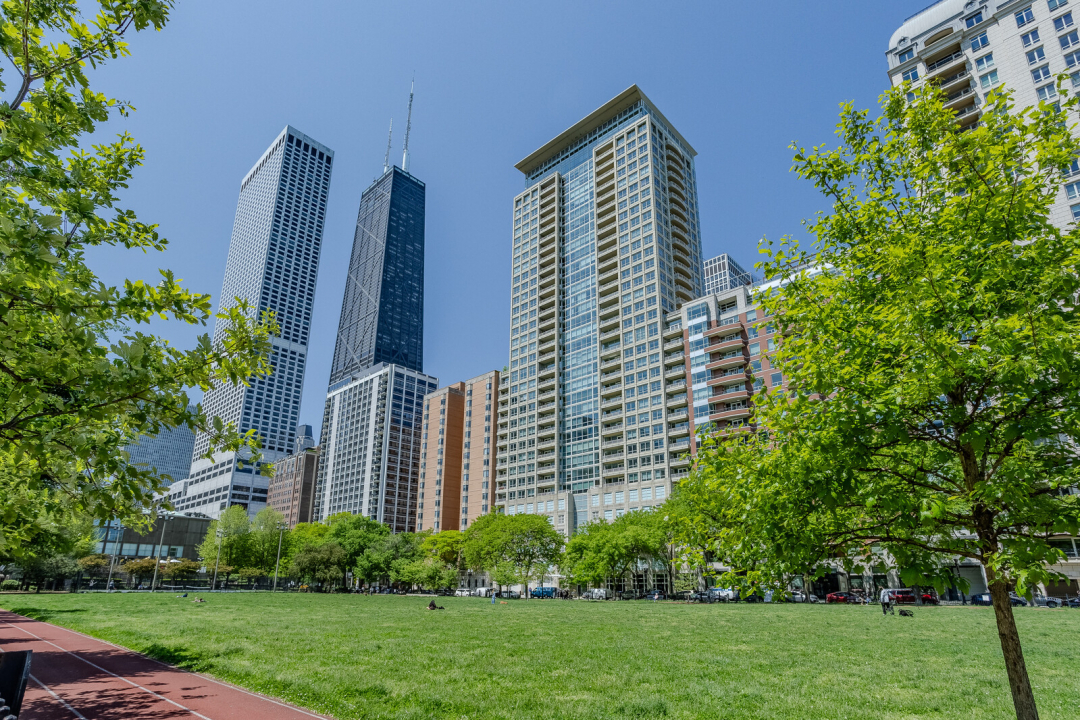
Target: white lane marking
point(230, 686)
point(59, 699)
point(118, 677)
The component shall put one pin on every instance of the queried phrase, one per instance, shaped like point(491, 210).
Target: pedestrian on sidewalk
point(886, 601)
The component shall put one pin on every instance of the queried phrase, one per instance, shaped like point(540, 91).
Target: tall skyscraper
point(968, 48)
point(168, 452)
point(273, 263)
point(382, 315)
point(371, 438)
point(722, 274)
point(605, 243)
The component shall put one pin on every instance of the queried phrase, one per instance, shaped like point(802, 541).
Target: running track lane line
point(59, 699)
point(98, 667)
point(165, 666)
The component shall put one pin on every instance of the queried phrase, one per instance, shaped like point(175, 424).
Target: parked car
point(482, 592)
point(984, 599)
point(1072, 602)
point(654, 595)
point(724, 594)
point(906, 596)
point(462, 592)
point(1047, 602)
point(839, 598)
point(595, 594)
point(797, 596)
point(510, 595)
point(631, 595)
point(543, 592)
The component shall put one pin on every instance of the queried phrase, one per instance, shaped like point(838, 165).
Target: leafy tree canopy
point(932, 362)
point(78, 381)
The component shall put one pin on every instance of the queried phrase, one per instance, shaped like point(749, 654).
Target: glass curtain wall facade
point(382, 314)
point(273, 263)
point(722, 274)
point(168, 453)
point(605, 243)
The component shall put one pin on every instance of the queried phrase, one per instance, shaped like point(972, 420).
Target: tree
point(933, 364)
point(302, 536)
point(355, 534)
point(388, 559)
point(512, 548)
point(95, 564)
point(601, 551)
point(181, 570)
point(448, 546)
point(323, 564)
point(235, 545)
point(77, 382)
point(264, 535)
point(140, 569)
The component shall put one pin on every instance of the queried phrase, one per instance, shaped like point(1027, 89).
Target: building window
point(1023, 17)
point(1041, 73)
point(1036, 55)
point(906, 55)
point(989, 79)
point(974, 20)
point(1075, 212)
point(911, 75)
point(979, 42)
point(985, 62)
point(1065, 21)
point(1072, 59)
point(1070, 40)
point(1046, 92)
point(1055, 4)
point(1030, 38)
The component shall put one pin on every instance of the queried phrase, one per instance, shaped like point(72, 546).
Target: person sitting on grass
point(433, 606)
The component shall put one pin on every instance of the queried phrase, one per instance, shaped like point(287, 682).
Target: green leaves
point(76, 383)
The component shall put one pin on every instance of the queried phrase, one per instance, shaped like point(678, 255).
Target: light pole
point(116, 546)
point(281, 532)
point(220, 534)
point(157, 552)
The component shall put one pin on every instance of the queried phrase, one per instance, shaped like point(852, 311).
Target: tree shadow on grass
point(180, 657)
point(35, 613)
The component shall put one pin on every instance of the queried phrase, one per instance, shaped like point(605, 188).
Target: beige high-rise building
point(458, 454)
point(967, 48)
point(606, 243)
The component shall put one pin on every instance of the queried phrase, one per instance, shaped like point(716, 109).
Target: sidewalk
point(75, 677)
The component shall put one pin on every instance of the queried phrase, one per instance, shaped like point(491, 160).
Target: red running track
point(75, 677)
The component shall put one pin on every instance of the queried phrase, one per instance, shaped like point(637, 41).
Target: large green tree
point(234, 545)
point(602, 551)
point(932, 361)
point(512, 548)
point(77, 381)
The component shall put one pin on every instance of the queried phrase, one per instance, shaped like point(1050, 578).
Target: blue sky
point(494, 81)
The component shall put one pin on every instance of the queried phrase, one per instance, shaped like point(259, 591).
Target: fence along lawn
point(387, 657)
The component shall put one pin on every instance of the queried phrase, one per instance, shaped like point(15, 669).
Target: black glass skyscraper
point(382, 315)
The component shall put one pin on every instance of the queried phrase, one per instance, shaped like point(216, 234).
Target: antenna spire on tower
point(408, 127)
point(389, 137)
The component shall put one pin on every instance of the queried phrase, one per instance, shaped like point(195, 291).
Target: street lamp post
point(157, 552)
point(220, 534)
point(116, 547)
point(281, 532)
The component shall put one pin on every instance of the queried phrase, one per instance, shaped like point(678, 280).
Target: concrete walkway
point(75, 677)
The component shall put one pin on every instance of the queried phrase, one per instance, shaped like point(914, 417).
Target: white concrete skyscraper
point(606, 242)
point(968, 48)
point(273, 263)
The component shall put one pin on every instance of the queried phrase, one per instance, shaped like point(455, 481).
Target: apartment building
point(292, 487)
point(968, 48)
point(371, 446)
point(168, 453)
point(606, 243)
point(459, 454)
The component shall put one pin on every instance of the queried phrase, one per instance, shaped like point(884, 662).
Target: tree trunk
point(1023, 698)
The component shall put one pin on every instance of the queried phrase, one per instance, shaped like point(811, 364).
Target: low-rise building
point(292, 486)
point(181, 539)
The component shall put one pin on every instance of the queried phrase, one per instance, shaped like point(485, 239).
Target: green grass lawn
point(386, 657)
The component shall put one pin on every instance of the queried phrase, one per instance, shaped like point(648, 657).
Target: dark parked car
point(984, 599)
point(1047, 602)
point(840, 597)
point(654, 595)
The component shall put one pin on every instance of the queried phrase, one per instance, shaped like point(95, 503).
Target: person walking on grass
point(886, 601)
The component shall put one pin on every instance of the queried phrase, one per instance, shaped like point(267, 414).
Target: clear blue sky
point(494, 81)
